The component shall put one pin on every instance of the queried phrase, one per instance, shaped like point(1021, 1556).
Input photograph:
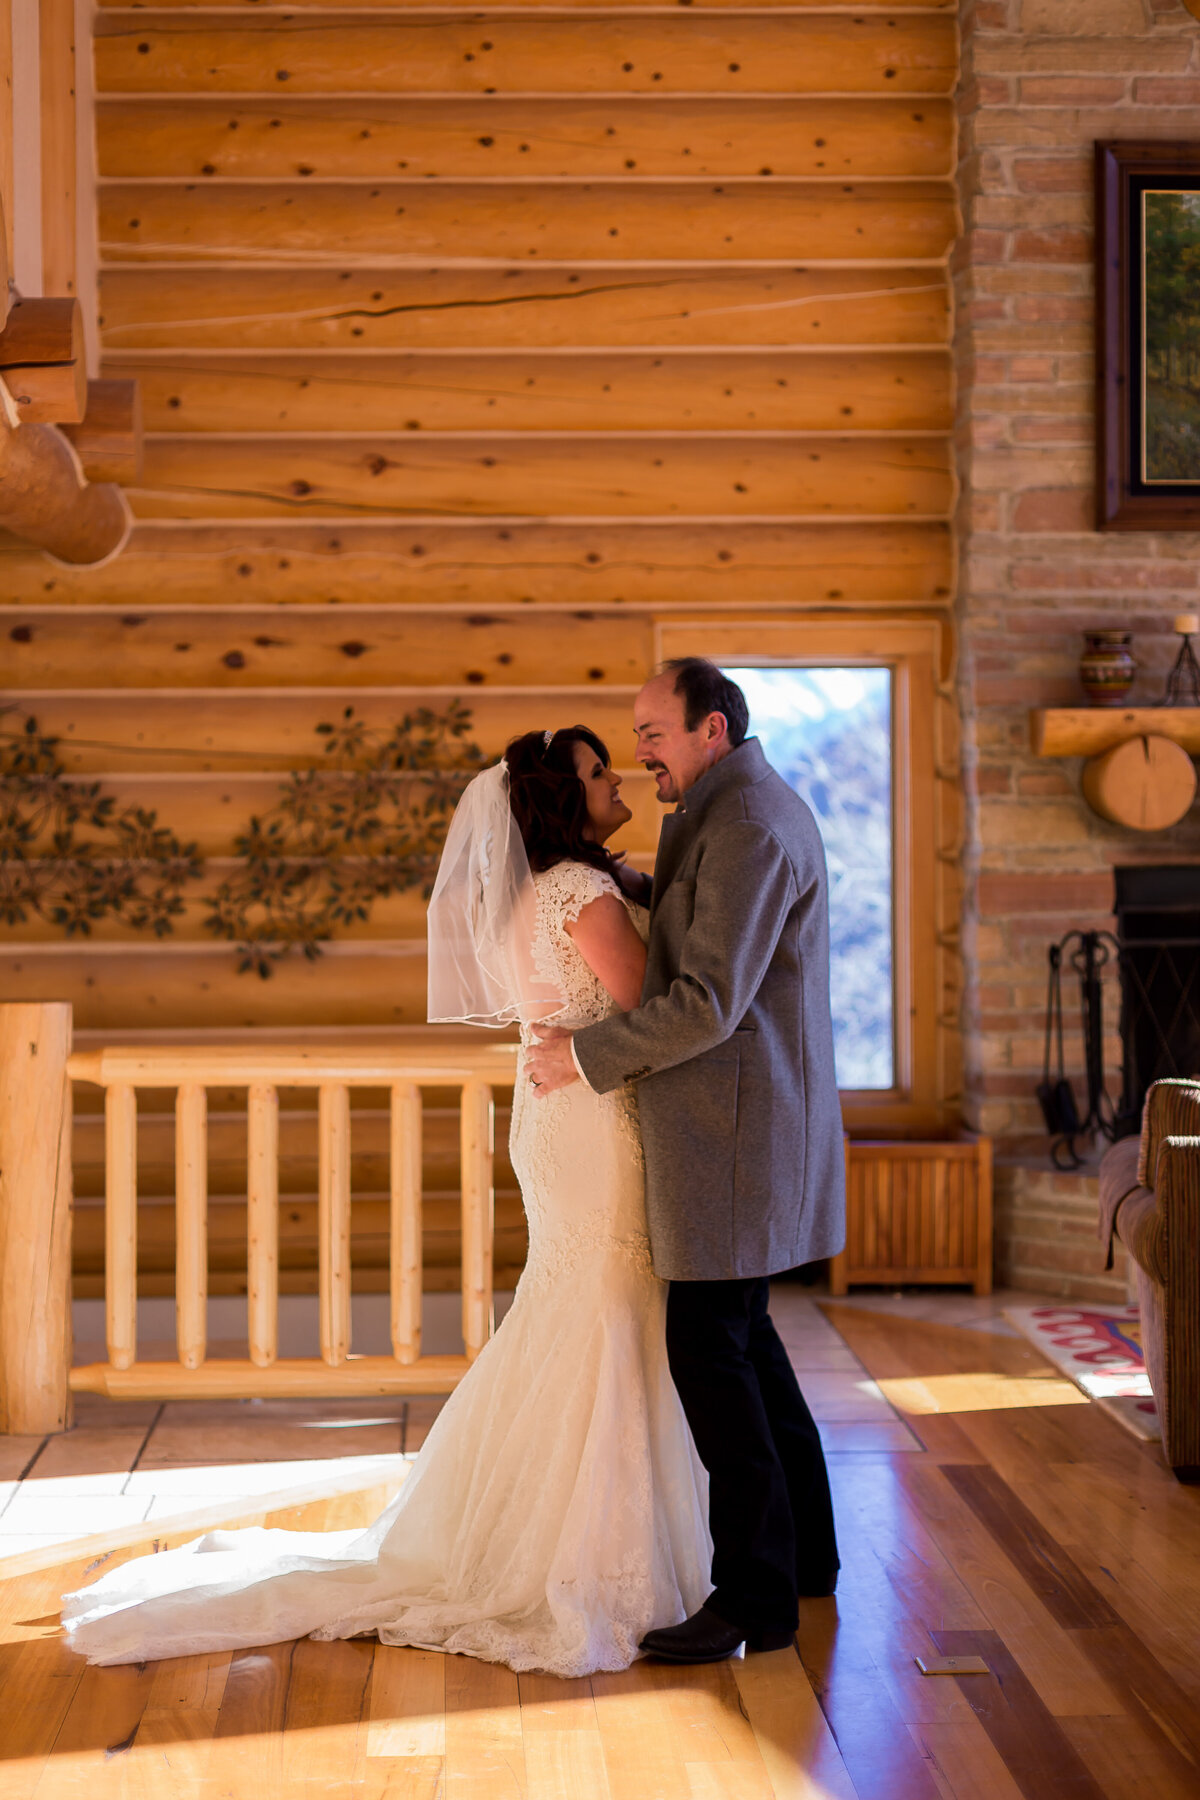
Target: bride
point(557, 1510)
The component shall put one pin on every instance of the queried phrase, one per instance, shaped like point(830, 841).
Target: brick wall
point(1041, 81)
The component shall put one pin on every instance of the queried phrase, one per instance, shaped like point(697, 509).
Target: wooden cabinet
point(917, 1212)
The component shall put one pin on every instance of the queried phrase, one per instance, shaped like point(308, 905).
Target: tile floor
point(128, 1462)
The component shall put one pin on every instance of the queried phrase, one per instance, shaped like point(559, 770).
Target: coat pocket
point(689, 1122)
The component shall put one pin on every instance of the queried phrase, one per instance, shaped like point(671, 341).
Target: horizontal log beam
point(142, 729)
point(527, 138)
point(760, 221)
point(482, 8)
point(348, 308)
point(688, 391)
point(1090, 731)
point(601, 222)
point(45, 501)
point(199, 989)
point(397, 918)
point(108, 439)
point(110, 648)
point(43, 362)
point(906, 54)
point(480, 566)
point(253, 478)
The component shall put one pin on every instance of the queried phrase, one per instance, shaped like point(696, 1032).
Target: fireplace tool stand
point(1088, 953)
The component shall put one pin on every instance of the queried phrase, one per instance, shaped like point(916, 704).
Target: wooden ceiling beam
point(43, 362)
point(45, 500)
point(108, 439)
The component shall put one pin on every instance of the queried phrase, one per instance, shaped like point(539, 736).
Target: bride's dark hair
point(548, 799)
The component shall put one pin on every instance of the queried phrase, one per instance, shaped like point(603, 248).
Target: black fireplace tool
point(1089, 953)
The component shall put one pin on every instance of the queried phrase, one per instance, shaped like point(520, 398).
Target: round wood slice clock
point(1146, 783)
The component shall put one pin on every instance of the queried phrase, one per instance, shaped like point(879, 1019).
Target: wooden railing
point(36, 1071)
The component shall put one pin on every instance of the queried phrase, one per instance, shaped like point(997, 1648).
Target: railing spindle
point(191, 1223)
point(478, 1208)
point(120, 1224)
point(406, 1221)
point(262, 1223)
point(333, 1220)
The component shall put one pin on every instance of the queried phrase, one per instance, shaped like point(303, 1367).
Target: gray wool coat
point(732, 1046)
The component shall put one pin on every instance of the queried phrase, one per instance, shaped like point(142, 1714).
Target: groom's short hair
point(705, 689)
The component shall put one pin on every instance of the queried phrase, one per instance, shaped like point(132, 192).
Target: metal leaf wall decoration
point(368, 822)
point(70, 856)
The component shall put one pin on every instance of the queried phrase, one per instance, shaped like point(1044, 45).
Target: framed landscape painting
point(1148, 336)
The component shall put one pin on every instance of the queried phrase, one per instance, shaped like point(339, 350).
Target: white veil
point(482, 918)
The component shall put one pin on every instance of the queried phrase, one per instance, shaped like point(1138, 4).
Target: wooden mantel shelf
point(1090, 730)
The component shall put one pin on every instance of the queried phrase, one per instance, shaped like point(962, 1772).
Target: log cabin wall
point(474, 345)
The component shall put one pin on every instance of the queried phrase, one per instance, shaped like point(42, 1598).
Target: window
point(828, 731)
point(859, 716)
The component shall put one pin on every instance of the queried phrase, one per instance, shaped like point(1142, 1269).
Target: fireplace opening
point(1158, 934)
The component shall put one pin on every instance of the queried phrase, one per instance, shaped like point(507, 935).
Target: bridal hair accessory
point(482, 917)
point(547, 739)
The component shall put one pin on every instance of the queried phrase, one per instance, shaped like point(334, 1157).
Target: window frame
point(926, 1084)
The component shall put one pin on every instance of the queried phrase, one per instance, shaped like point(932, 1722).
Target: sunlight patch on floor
point(985, 1391)
point(73, 1510)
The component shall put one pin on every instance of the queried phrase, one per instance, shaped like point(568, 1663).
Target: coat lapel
point(671, 845)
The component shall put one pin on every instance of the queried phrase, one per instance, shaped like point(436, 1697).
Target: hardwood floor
point(1039, 1537)
point(1043, 1539)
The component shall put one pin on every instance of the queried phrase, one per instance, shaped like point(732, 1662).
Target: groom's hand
point(549, 1063)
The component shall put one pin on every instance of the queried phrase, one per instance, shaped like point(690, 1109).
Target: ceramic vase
point(1107, 667)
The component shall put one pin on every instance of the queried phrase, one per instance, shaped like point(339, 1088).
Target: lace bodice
point(562, 894)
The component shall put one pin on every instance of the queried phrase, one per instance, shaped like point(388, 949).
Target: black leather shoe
point(819, 1587)
point(707, 1638)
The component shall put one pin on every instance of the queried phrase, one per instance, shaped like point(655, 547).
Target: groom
point(732, 1054)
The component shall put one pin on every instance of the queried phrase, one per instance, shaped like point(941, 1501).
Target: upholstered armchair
point(1150, 1199)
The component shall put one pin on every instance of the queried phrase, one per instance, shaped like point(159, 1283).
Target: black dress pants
point(770, 1509)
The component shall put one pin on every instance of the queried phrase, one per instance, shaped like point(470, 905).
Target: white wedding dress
point(557, 1510)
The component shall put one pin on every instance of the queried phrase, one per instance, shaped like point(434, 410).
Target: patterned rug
point(1101, 1351)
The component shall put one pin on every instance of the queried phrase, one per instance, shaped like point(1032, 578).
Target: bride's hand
point(635, 883)
point(549, 1063)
